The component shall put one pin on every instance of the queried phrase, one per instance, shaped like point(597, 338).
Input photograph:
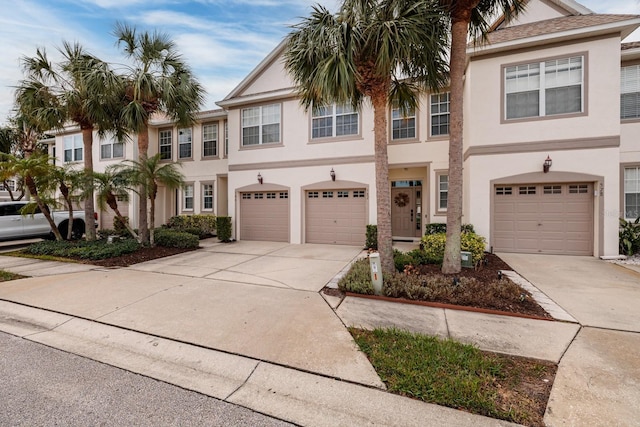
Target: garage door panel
point(264, 216)
point(544, 218)
point(335, 220)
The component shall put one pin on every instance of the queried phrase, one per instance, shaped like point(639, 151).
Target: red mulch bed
point(141, 255)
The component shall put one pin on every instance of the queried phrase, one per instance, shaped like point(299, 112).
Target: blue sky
point(222, 40)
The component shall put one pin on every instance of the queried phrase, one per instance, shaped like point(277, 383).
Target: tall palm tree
point(82, 89)
point(149, 174)
point(467, 18)
point(158, 81)
point(36, 171)
point(386, 50)
point(111, 185)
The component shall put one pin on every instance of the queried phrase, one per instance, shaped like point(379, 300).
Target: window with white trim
point(443, 191)
point(440, 113)
point(226, 138)
point(333, 121)
point(187, 197)
point(165, 138)
point(210, 140)
point(184, 143)
point(632, 192)
point(261, 125)
point(403, 126)
point(111, 149)
point(73, 148)
point(207, 197)
point(630, 92)
point(544, 88)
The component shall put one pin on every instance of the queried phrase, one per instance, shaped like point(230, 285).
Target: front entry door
point(403, 212)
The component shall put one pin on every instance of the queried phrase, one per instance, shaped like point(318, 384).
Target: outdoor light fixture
point(333, 175)
point(259, 178)
point(546, 165)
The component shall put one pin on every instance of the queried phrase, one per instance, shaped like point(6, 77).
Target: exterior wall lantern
point(259, 178)
point(332, 174)
point(546, 165)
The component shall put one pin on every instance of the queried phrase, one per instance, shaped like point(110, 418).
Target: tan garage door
point(543, 218)
point(264, 216)
point(336, 217)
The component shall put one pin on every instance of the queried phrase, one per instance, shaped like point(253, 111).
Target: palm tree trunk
point(143, 225)
point(383, 191)
point(152, 220)
point(459, 30)
point(65, 194)
point(112, 201)
point(33, 190)
point(89, 207)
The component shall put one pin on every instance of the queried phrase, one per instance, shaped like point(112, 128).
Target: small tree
point(148, 174)
point(69, 181)
point(111, 185)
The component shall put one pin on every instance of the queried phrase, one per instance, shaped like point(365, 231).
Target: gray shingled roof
point(555, 25)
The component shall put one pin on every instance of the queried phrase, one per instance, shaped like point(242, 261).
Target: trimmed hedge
point(175, 239)
point(94, 250)
point(438, 227)
point(372, 237)
point(358, 279)
point(202, 226)
point(434, 245)
point(223, 225)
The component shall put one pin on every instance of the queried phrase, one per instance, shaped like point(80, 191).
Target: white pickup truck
point(14, 225)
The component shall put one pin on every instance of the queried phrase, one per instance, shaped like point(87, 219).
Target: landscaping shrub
point(372, 237)
point(433, 246)
point(93, 250)
point(202, 226)
point(223, 225)
point(629, 236)
point(439, 227)
point(358, 279)
point(175, 239)
point(400, 259)
point(119, 226)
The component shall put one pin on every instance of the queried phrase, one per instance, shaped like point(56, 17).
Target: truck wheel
point(78, 230)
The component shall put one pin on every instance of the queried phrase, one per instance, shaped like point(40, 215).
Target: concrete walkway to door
point(598, 379)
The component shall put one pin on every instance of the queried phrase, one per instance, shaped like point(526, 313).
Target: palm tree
point(159, 81)
point(80, 88)
point(467, 18)
point(111, 185)
point(9, 144)
point(69, 181)
point(149, 174)
point(386, 50)
point(36, 171)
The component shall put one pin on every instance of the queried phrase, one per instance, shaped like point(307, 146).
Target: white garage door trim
point(550, 218)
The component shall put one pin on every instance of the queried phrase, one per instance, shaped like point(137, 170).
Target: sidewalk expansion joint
point(226, 399)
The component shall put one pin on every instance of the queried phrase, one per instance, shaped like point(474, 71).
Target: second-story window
point(403, 126)
point(210, 140)
point(439, 114)
point(184, 143)
point(544, 88)
point(226, 138)
point(261, 125)
point(630, 92)
point(111, 149)
point(165, 137)
point(73, 148)
point(334, 121)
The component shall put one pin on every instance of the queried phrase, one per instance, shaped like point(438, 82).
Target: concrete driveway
point(598, 379)
point(257, 299)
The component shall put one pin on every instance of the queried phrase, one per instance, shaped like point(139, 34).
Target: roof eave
point(257, 97)
point(624, 28)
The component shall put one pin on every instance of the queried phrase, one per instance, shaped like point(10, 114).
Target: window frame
point(213, 140)
point(584, 85)
point(635, 64)
point(110, 142)
point(439, 114)
point(169, 132)
point(185, 196)
point(396, 116)
point(184, 140)
point(260, 126)
point(76, 147)
point(623, 190)
point(226, 139)
point(334, 116)
point(438, 191)
point(204, 195)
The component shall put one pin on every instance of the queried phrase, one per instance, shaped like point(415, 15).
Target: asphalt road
point(42, 386)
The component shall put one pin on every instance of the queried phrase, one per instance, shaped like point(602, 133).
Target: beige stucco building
point(557, 84)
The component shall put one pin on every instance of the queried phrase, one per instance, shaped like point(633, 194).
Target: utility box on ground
point(467, 259)
point(376, 273)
